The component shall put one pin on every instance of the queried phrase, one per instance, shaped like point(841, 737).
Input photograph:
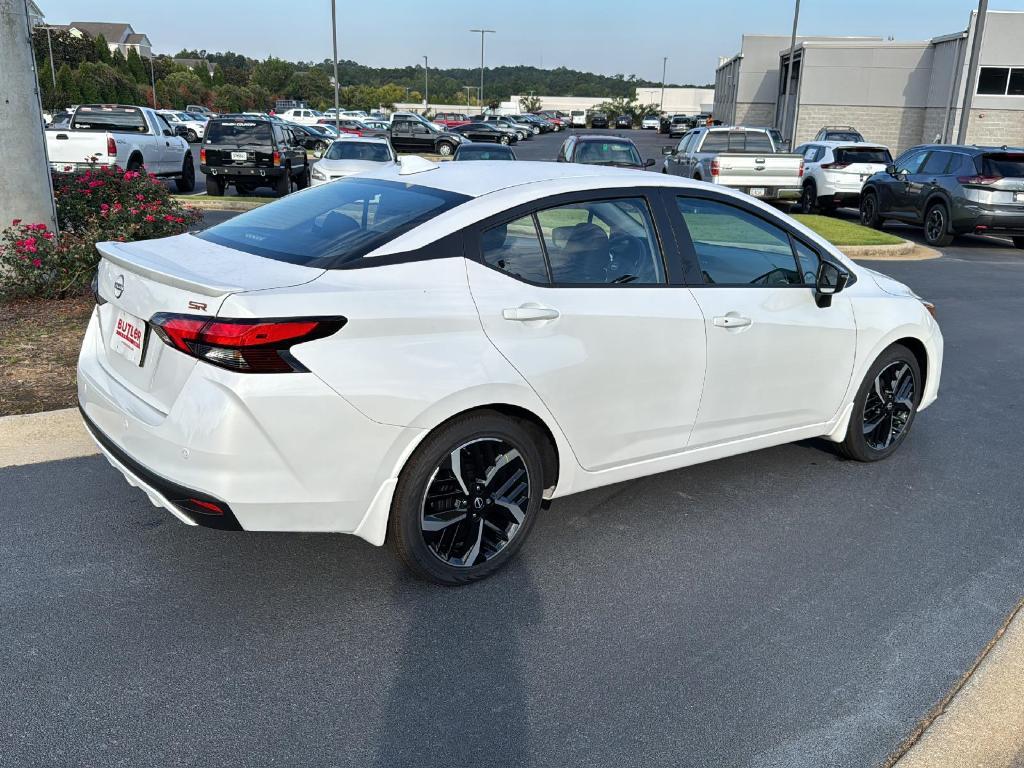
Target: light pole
point(426, 84)
point(786, 73)
point(972, 72)
point(334, 41)
point(480, 96)
point(152, 77)
point(664, 68)
point(49, 45)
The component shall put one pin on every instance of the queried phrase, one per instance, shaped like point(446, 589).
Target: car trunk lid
point(184, 275)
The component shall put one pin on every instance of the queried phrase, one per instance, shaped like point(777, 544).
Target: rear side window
point(851, 155)
point(238, 132)
point(1003, 164)
point(737, 248)
point(332, 225)
point(937, 163)
point(116, 119)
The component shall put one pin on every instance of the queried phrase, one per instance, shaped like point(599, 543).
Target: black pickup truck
point(251, 151)
point(410, 134)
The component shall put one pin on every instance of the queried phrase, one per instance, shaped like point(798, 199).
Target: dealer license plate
point(1018, 197)
point(128, 338)
point(757, 191)
point(238, 155)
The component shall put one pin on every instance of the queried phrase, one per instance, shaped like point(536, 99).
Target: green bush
point(97, 205)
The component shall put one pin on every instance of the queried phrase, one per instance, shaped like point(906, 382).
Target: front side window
point(602, 242)
point(334, 224)
point(910, 163)
point(515, 248)
point(735, 247)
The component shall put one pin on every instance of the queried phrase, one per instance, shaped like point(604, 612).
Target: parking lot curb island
point(48, 436)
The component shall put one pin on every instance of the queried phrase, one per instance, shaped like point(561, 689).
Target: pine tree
point(102, 49)
point(67, 92)
point(140, 74)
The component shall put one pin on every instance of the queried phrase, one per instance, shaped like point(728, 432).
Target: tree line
point(84, 70)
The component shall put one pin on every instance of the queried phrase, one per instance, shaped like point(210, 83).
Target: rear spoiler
point(158, 269)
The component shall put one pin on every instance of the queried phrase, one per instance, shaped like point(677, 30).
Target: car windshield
point(332, 225)
point(373, 151)
point(878, 155)
point(238, 132)
point(123, 119)
point(1006, 164)
point(607, 153)
point(473, 152)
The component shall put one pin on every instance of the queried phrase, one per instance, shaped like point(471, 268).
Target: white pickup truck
point(741, 158)
point(129, 137)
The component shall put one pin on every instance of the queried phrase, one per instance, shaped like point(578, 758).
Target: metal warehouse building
point(896, 93)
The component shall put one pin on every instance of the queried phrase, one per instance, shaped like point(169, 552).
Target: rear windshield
point(332, 225)
point(863, 155)
point(238, 132)
point(484, 152)
point(1005, 164)
point(117, 119)
point(843, 136)
point(737, 141)
point(358, 150)
point(607, 153)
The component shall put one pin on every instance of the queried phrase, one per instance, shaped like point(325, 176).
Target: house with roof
point(35, 14)
point(120, 37)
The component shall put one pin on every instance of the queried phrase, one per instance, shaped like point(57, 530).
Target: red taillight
point(716, 167)
point(800, 172)
point(202, 155)
point(247, 346)
point(833, 166)
point(277, 159)
point(978, 179)
point(111, 146)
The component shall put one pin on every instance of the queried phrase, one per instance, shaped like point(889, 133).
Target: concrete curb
point(219, 204)
point(905, 251)
point(47, 436)
point(980, 722)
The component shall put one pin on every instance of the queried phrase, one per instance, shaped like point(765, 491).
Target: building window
point(1001, 81)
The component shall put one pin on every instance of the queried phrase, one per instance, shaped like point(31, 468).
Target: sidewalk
point(982, 725)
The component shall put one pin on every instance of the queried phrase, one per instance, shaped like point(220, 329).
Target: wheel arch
point(136, 155)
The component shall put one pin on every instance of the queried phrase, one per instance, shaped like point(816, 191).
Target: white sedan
point(429, 353)
point(650, 121)
point(348, 156)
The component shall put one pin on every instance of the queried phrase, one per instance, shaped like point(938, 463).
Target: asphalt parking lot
point(782, 608)
point(543, 147)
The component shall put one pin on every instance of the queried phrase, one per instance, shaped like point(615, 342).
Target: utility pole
point(426, 84)
point(49, 46)
point(972, 72)
point(664, 68)
point(152, 77)
point(786, 74)
point(334, 41)
point(26, 192)
point(480, 96)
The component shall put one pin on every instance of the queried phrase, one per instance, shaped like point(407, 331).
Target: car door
point(928, 178)
point(168, 145)
point(678, 163)
point(401, 134)
point(894, 192)
point(575, 293)
point(775, 360)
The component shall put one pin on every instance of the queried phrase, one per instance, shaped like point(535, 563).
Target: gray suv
point(950, 190)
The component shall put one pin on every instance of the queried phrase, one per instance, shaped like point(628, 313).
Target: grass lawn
point(39, 343)
point(843, 232)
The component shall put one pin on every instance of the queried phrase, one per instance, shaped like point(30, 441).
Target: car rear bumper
point(241, 172)
point(769, 193)
point(990, 219)
point(272, 452)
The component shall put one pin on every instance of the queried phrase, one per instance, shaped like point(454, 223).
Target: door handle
point(732, 321)
point(526, 313)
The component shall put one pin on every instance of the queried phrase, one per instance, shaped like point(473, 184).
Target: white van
point(578, 118)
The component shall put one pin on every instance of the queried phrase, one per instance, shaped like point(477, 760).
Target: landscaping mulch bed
point(39, 343)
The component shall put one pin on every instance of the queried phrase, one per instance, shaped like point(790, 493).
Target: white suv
point(835, 172)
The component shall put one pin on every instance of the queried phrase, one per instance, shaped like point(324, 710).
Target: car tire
point(936, 226)
point(191, 137)
point(869, 214)
point(471, 536)
point(809, 198)
point(303, 179)
point(187, 181)
point(1018, 242)
point(884, 407)
point(214, 186)
point(445, 149)
point(505, 140)
point(283, 185)
point(244, 189)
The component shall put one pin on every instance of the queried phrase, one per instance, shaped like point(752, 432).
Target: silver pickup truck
point(741, 158)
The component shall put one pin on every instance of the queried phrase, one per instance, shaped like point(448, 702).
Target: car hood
point(347, 167)
point(890, 286)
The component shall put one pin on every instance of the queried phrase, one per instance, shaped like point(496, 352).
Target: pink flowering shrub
point(96, 205)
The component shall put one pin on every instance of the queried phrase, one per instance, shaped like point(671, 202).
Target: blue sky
point(607, 36)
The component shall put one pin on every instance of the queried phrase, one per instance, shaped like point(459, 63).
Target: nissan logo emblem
point(119, 286)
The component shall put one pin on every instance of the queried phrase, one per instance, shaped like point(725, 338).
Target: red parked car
point(451, 119)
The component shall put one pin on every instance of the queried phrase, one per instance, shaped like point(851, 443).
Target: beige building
point(896, 93)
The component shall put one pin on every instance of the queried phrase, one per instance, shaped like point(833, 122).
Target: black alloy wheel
point(885, 406)
point(467, 498)
point(809, 198)
point(936, 226)
point(869, 216)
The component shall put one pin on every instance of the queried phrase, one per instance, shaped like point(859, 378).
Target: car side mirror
point(890, 169)
point(668, 151)
point(167, 132)
point(830, 280)
point(648, 162)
